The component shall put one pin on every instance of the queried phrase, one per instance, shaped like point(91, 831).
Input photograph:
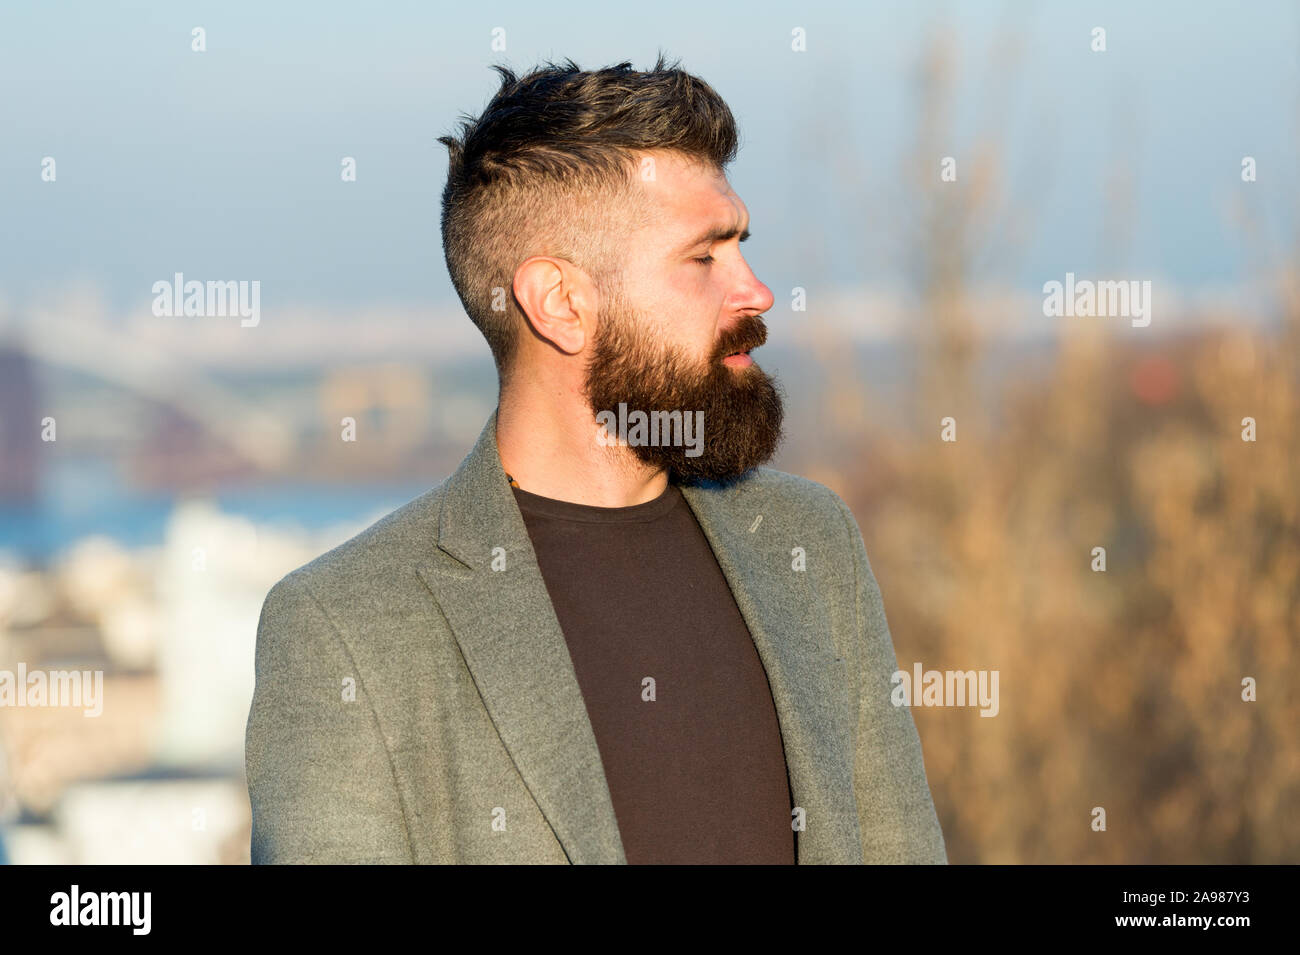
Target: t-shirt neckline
point(590, 514)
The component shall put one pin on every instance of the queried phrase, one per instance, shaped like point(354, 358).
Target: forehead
point(687, 195)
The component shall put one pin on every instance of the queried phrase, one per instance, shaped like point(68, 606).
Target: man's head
point(593, 238)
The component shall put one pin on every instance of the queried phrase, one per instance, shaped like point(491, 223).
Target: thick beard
point(742, 406)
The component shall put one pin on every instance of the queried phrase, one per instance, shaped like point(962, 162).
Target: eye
point(705, 260)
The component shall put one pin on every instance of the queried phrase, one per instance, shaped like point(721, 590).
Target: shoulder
point(374, 558)
point(795, 488)
point(788, 502)
point(795, 495)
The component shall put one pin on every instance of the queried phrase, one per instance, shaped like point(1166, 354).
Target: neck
point(549, 447)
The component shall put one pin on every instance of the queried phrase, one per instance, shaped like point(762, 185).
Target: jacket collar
point(512, 643)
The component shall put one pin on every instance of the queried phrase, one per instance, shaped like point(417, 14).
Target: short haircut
point(548, 169)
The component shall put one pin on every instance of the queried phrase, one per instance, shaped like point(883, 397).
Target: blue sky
point(226, 164)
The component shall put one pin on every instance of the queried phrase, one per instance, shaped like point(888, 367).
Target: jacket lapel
point(809, 685)
point(515, 650)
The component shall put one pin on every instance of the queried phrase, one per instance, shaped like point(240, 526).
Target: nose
point(752, 294)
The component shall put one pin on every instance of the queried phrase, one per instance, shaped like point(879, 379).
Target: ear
point(559, 300)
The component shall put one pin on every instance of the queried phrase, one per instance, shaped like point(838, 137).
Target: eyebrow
point(716, 234)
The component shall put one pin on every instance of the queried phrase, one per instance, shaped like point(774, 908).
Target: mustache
point(746, 335)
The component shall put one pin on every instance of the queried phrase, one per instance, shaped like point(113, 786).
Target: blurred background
point(196, 461)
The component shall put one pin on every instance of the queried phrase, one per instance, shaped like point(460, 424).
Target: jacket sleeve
point(896, 813)
point(321, 784)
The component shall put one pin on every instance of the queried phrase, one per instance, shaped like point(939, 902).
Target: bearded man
point(587, 646)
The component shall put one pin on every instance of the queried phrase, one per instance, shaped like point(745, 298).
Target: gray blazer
point(415, 705)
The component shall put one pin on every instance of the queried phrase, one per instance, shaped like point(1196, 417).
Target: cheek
point(690, 311)
point(695, 329)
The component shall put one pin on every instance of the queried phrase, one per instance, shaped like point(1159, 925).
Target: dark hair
point(548, 169)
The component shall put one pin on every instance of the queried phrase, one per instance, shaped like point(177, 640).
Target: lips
point(735, 347)
point(738, 360)
point(737, 354)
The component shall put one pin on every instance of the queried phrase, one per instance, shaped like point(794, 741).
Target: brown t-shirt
point(697, 774)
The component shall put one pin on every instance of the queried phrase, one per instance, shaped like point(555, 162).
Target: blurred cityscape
point(145, 552)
